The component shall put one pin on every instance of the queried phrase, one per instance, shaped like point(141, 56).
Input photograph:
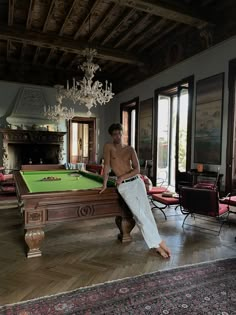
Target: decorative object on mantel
point(86, 92)
point(58, 112)
point(200, 168)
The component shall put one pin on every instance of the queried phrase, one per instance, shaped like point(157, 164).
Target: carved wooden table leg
point(33, 238)
point(125, 226)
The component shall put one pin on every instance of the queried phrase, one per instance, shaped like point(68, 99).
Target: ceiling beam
point(29, 17)
point(65, 44)
point(155, 39)
point(103, 21)
point(26, 63)
point(91, 11)
point(182, 14)
point(37, 52)
point(8, 49)
point(135, 26)
point(61, 58)
point(11, 12)
point(67, 17)
point(49, 15)
point(72, 62)
point(181, 30)
point(10, 23)
point(49, 56)
point(124, 18)
point(153, 27)
point(23, 51)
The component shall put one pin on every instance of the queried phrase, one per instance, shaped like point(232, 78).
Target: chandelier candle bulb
point(67, 85)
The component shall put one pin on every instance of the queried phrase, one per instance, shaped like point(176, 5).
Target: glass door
point(172, 134)
point(163, 136)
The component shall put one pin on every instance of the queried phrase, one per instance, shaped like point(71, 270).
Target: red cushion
point(205, 185)
point(147, 182)
point(4, 177)
point(8, 177)
point(229, 200)
point(8, 189)
point(165, 200)
point(157, 190)
point(222, 209)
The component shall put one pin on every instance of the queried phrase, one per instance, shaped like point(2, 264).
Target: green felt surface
point(67, 182)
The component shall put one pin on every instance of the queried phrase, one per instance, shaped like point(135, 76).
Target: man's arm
point(135, 168)
point(106, 156)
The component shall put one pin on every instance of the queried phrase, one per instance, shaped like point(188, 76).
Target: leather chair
point(203, 202)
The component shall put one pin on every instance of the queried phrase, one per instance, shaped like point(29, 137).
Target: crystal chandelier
point(58, 112)
point(86, 92)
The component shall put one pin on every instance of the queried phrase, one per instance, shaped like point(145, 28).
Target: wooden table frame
point(41, 209)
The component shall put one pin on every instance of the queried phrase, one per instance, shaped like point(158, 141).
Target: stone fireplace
point(31, 147)
point(26, 138)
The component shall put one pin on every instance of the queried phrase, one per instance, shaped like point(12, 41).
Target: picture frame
point(208, 120)
point(145, 129)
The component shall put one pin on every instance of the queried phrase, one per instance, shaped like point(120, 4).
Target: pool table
point(74, 196)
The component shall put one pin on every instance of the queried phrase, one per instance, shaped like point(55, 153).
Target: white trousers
point(135, 195)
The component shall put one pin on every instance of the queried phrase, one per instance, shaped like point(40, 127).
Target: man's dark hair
point(114, 127)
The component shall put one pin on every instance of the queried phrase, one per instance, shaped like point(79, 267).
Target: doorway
point(173, 115)
point(82, 141)
point(129, 120)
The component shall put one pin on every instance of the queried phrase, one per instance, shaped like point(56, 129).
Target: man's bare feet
point(163, 250)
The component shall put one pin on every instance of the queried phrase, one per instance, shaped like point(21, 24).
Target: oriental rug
point(207, 288)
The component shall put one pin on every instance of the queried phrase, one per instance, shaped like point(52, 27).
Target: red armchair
point(202, 202)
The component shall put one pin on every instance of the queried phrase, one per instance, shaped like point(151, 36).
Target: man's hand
point(102, 190)
point(119, 180)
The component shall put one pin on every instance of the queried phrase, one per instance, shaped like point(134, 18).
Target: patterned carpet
point(208, 288)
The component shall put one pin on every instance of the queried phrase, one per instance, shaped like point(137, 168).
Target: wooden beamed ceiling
point(134, 39)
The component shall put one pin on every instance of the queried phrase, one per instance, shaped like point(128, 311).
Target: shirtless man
point(124, 162)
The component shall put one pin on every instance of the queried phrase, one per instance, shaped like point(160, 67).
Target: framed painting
point(208, 120)
point(145, 129)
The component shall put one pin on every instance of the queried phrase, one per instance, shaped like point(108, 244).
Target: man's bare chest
point(121, 154)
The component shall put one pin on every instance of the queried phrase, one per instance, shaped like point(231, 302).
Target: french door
point(173, 132)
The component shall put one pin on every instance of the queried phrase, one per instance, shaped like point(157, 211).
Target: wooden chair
point(202, 202)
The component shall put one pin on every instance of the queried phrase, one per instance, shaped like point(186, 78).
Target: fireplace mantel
point(33, 137)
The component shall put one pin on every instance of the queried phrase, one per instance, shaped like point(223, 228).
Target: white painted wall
point(208, 63)
point(8, 95)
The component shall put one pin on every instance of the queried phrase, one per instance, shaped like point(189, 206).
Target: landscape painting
point(145, 129)
point(208, 120)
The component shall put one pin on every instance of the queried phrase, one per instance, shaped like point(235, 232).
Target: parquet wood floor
point(84, 253)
